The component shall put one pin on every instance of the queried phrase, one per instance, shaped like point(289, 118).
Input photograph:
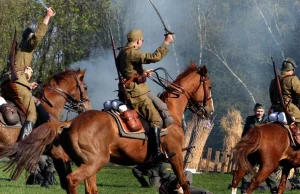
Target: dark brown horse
point(92, 139)
point(67, 87)
point(269, 146)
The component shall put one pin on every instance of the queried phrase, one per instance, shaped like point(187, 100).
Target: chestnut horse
point(65, 88)
point(269, 146)
point(92, 138)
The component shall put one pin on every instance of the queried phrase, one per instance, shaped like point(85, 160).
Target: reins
point(196, 107)
point(72, 104)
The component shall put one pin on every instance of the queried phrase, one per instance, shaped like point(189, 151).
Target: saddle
point(11, 115)
point(136, 132)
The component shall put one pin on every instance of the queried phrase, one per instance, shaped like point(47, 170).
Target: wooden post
point(199, 164)
point(217, 156)
point(230, 164)
point(223, 161)
point(208, 158)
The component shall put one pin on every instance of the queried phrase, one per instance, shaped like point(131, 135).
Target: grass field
point(119, 180)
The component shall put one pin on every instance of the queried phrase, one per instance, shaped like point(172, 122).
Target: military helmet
point(288, 64)
point(134, 35)
point(27, 34)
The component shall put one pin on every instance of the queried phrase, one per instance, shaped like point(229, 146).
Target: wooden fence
point(217, 161)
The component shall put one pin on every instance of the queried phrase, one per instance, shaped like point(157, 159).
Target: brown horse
point(67, 87)
point(92, 139)
point(269, 146)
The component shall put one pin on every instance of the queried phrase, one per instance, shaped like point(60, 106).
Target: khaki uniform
point(19, 91)
point(290, 87)
point(130, 62)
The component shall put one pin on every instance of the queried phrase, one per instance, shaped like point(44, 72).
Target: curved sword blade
point(43, 4)
point(162, 21)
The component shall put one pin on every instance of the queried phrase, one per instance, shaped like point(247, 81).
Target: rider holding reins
point(129, 61)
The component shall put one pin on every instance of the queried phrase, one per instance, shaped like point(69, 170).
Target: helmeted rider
point(290, 87)
point(18, 91)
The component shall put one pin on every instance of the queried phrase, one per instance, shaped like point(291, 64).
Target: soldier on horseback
point(290, 87)
point(290, 91)
point(18, 91)
point(129, 62)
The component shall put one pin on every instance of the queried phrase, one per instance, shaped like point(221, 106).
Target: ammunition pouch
point(140, 79)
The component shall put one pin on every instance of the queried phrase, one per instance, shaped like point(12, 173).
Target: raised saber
point(162, 21)
point(45, 6)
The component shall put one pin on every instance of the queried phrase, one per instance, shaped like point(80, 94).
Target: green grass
point(115, 179)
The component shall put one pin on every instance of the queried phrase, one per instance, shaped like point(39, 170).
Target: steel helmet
point(288, 64)
point(27, 34)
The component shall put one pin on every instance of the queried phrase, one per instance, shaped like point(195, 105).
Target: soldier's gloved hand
point(168, 39)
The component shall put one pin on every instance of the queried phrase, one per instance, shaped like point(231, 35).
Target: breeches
point(22, 97)
point(144, 106)
point(295, 112)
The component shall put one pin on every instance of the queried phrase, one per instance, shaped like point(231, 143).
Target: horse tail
point(248, 145)
point(28, 151)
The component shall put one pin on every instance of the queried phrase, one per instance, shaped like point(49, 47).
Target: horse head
point(201, 101)
point(70, 84)
point(195, 84)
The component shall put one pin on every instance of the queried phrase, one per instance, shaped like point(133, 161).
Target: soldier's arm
point(146, 58)
point(41, 29)
point(296, 85)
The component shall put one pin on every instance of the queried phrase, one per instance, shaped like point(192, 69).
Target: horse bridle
point(72, 104)
point(193, 105)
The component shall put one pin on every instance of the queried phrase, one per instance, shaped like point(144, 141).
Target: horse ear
point(192, 64)
point(203, 70)
point(81, 74)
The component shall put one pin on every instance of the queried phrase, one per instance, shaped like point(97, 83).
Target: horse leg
point(83, 172)
point(61, 169)
point(177, 165)
point(285, 174)
point(236, 179)
point(91, 185)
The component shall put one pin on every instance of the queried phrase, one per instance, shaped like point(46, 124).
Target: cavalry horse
point(92, 138)
point(65, 88)
point(268, 145)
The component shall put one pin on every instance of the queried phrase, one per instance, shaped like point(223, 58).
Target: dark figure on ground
point(161, 178)
point(44, 174)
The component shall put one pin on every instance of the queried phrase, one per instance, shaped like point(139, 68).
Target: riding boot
point(26, 130)
point(47, 176)
point(43, 114)
point(158, 156)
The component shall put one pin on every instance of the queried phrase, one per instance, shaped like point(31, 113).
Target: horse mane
point(191, 68)
point(62, 76)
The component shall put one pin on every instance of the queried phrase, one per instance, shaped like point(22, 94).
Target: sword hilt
point(167, 32)
point(54, 12)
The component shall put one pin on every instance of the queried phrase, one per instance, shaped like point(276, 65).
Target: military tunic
point(251, 121)
point(290, 87)
point(19, 91)
point(130, 62)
